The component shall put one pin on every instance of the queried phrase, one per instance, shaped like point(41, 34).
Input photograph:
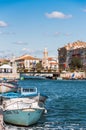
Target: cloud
point(32, 52)
point(28, 50)
point(67, 34)
point(7, 33)
point(3, 24)
point(25, 49)
point(57, 15)
point(84, 10)
point(57, 33)
point(20, 43)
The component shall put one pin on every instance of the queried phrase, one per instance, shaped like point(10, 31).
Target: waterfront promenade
point(53, 75)
point(10, 75)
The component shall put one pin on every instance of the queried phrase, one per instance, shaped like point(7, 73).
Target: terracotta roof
point(75, 45)
point(3, 60)
point(51, 59)
point(53, 63)
point(27, 57)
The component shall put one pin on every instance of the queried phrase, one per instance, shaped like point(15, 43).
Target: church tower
point(45, 54)
point(45, 58)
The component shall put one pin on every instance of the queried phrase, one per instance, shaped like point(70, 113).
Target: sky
point(29, 26)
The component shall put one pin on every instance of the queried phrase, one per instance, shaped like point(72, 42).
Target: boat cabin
point(27, 91)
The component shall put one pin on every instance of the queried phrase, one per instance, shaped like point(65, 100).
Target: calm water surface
point(66, 105)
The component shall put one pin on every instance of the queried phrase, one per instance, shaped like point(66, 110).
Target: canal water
point(66, 105)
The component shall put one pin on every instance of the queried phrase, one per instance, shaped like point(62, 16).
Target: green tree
point(76, 63)
point(39, 66)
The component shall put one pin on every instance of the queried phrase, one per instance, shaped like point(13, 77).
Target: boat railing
point(7, 85)
point(29, 104)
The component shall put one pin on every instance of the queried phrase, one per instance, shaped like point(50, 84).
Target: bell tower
point(45, 58)
point(45, 53)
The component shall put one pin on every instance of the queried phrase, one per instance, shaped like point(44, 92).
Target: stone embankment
point(10, 75)
point(74, 75)
point(2, 127)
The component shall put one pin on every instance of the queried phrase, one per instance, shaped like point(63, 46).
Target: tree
point(76, 63)
point(39, 66)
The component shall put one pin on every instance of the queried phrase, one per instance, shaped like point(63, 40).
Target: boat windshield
point(29, 90)
point(21, 90)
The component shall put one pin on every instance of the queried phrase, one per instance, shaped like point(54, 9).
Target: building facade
point(26, 62)
point(71, 50)
point(49, 63)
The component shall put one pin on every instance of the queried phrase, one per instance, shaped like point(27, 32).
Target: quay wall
point(76, 75)
point(10, 75)
point(66, 75)
point(1, 120)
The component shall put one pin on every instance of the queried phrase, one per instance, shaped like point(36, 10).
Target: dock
point(2, 127)
point(2, 124)
point(10, 75)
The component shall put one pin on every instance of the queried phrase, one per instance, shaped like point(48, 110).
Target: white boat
point(32, 77)
point(7, 87)
point(33, 93)
point(30, 93)
point(22, 111)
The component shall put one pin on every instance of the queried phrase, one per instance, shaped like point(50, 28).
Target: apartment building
point(26, 61)
point(69, 51)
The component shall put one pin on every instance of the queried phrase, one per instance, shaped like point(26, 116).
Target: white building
point(49, 62)
point(26, 61)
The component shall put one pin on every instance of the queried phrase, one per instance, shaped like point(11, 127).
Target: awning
point(5, 66)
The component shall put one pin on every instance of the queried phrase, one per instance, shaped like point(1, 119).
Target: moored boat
point(30, 93)
point(22, 111)
point(35, 76)
point(7, 87)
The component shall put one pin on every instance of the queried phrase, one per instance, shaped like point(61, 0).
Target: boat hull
point(6, 87)
point(23, 117)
